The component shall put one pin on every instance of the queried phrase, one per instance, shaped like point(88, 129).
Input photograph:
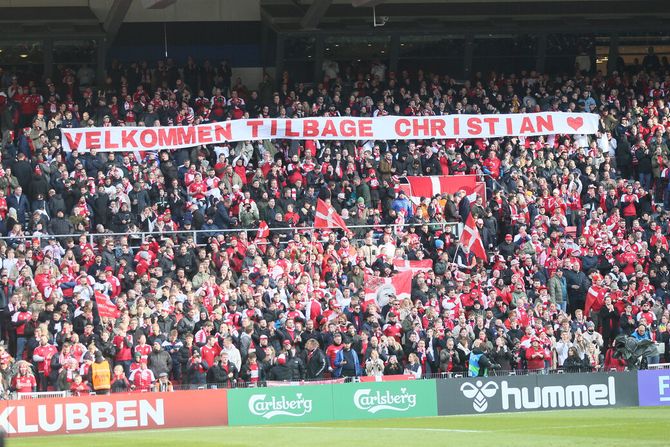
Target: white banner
point(127, 139)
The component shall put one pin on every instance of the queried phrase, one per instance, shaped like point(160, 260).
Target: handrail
point(143, 235)
point(242, 384)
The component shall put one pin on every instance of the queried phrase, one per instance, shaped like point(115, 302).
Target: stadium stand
point(213, 264)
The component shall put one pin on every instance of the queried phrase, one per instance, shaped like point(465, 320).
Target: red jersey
point(46, 353)
point(80, 390)
point(393, 330)
point(536, 357)
point(18, 318)
point(142, 379)
point(145, 350)
point(331, 353)
point(209, 354)
point(123, 353)
point(24, 384)
point(628, 201)
point(197, 190)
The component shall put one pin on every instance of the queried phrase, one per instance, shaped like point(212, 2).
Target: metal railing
point(137, 238)
point(329, 381)
point(659, 366)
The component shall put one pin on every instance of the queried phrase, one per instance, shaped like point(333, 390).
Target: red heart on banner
point(575, 123)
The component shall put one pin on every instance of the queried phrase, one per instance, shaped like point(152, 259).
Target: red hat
point(281, 360)
point(109, 269)
point(264, 337)
point(508, 236)
point(287, 342)
point(333, 302)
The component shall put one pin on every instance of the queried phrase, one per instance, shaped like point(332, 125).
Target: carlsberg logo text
point(271, 406)
point(597, 395)
point(374, 402)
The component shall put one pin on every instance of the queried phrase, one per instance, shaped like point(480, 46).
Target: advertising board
point(535, 392)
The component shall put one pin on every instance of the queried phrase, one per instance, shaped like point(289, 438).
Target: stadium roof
point(468, 15)
point(23, 19)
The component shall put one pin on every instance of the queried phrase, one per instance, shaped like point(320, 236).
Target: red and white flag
point(263, 230)
point(471, 238)
point(382, 289)
point(327, 217)
point(423, 265)
point(420, 187)
point(105, 306)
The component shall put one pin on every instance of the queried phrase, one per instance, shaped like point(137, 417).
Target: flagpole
point(456, 253)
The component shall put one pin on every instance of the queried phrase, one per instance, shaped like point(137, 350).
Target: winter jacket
point(196, 373)
point(279, 372)
point(160, 362)
point(315, 364)
point(220, 375)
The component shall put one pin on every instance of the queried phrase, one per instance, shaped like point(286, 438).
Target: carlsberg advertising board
point(374, 400)
point(254, 406)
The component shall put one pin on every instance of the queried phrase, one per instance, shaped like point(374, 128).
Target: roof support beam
point(368, 3)
point(315, 13)
point(115, 18)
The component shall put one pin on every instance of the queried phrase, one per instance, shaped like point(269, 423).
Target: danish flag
point(326, 217)
point(382, 290)
point(427, 186)
point(106, 308)
point(263, 230)
point(470, 238)
point(415, 266)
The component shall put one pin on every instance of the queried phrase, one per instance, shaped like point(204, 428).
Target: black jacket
point(220, 375)
point(197, 372)
point(579, 279)
point(245, 373)
point(279, 372)
point(315, 364)
point(297, 368)
point(573, 364)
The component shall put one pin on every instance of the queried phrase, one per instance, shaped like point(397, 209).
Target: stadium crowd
point(568, 220)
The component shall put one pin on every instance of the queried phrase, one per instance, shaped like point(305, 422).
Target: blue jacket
point(338, 363)
point(639, 337)
point(21, 205)
point(402, 204)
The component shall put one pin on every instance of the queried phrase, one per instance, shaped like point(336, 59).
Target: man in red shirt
point(20, 319)
point(142, 379)
point(629, 202)
point(210, 350)
point(142, 347)
point(332, 350)
point(42, 356)
point(492, 164)
point(646, 316)
point(393, 328)
point(198, 188)
point(536, 355)
point(123, 342)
